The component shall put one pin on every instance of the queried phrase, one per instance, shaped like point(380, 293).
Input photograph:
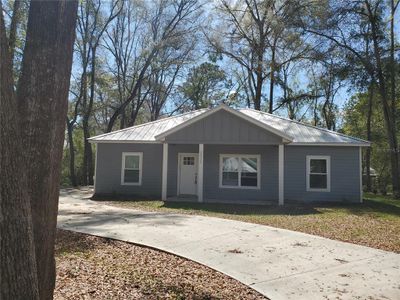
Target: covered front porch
point(231, 157)
point(195, 173)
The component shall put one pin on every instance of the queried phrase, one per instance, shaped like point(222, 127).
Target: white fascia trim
point(122, 142)
point(239, 114)
point(330, 144)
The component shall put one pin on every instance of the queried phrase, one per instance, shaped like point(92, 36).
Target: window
point(131, 173)
point(188, 160)
point(239, 171)
point(318, 173)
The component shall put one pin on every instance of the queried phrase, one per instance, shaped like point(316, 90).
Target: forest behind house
point(331, 64)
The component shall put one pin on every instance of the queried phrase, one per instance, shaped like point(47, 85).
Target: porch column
point(281, 173)
point(164, 172)
point(200, 174)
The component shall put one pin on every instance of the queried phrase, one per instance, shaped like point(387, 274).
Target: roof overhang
point(123, 142)
point(285, 138)
point(366, 144)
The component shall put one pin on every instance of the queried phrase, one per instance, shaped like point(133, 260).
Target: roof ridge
point(147, 123)
point(304, 124)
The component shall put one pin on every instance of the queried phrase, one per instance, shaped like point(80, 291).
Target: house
point(229, 155)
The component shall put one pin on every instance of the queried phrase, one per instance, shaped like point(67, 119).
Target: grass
point(90, 267)
point(375, 223)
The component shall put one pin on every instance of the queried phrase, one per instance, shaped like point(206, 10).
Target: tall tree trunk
point(368, 150)
point(272, 82)
point(16, 18)
point(259, 80)
point(87, 153)
point(393, 64)
point(388, 111)
point(43, 101)
point(72, 174)
point(18, 276)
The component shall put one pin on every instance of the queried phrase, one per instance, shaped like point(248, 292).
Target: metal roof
point(303, 134)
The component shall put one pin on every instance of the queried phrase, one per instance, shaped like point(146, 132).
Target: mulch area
point(90, 267)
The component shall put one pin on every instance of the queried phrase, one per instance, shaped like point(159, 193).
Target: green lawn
point(375, 223)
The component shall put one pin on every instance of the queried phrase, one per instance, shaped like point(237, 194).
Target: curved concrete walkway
point(280, 264)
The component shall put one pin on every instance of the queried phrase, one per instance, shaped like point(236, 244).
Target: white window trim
point(328, 173)
point(222, 156)
point(124, 155)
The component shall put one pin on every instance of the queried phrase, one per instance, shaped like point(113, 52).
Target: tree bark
point(259, 80)
point(18, 277)
point(272, 82)
point(388, 111)
point(368, 150)
point(72, 174)
point(16, 18)
point(42, 98)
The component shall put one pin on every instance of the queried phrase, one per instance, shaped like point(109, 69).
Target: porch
point(208, 183)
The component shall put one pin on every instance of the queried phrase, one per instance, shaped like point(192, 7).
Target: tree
point(355, 15)
point(169, 22)
point(252, 34)
point(92, 23)
point(203, 86)
point(38, 121)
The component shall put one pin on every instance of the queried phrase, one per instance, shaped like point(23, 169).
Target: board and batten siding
point(223, 127)
point(345, 173)
point(109, 165)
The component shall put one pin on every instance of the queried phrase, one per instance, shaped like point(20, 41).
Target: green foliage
point(355, 124)
point(203, 85)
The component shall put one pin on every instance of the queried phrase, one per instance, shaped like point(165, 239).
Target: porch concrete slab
point(280, 264)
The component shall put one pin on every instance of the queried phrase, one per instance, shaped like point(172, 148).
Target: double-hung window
point(239, 171)
point(318, 173)
point(131, 173)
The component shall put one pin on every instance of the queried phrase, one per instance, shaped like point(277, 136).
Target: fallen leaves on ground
point(90, 267)
point(374, 223)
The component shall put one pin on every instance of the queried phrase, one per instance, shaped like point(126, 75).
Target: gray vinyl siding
point(345, 177)
point(223, 127)
point(269, 174)
point(345, 174)
point(109, 164)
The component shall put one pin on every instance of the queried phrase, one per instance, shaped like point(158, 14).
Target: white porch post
point(281, 174)
point(200, 173)
point(164, 172)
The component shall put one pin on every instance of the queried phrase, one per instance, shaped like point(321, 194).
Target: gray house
point(229, 155)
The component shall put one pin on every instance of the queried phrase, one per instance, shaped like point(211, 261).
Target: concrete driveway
point(280, 264)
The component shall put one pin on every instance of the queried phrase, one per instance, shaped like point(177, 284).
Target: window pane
point(188, 161)
point(131, 176)
point(230, 178)
point(230, 164)
point(249, 165)
point(248, 179)
point(318, 181)
point(317, 166)
point(132, 162)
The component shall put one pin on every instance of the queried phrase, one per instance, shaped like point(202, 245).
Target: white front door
point(187, 174)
